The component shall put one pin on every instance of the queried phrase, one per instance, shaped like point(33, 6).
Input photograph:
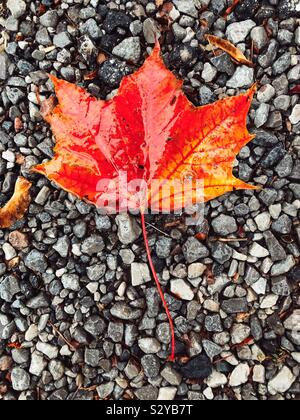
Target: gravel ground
point(80, 317)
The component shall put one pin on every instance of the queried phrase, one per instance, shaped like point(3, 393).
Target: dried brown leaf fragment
point(17, 206)
point(229, 48)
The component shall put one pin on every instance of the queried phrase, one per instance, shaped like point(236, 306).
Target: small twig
point(229, 240)
point(75, 394)
point(62, 336)
point(252, 51)
point(158, 230)
point(89, 389)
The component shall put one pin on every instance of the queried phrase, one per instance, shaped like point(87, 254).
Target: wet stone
point(62, 40)
point(182, 56)
point(199, 367)
point(280, 286)
point(95, 325)
point(235, 306)
point(4, 66)
point(246, 9)
point(20, 379)
point(9, 287)
point(123, 311)
point(223, 64)
point(193, 250)
point(238, 31)
point(276, 250)
point(163, 247)
point(113, 71)
point(36, 261)
point(283, 267)
point(116, 19)
point(273, 157)
point(242, 78)
point(283, 225)
point(213, 323)
point(282, 64)
point(221, 252)
point(129, 50)
point(211, 349)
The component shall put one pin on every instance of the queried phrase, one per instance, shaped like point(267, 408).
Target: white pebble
point(181, 289)
point(240, 375)
point(9, 156)
point(269, 301)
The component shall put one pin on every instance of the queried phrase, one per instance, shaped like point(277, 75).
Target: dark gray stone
point(268, 196)
point(199, 367)
point(113, 71)
point(147, 393)
point(273, 157)
point(223, 64)
point(256, 328)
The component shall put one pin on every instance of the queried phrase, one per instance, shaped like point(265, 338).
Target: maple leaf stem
point(158, 285)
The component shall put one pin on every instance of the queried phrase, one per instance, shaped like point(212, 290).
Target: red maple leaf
point(170, 151)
